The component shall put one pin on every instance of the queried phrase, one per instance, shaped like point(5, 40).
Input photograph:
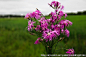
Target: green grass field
point(15, 40)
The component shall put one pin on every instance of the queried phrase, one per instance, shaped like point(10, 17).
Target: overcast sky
point(25, 6)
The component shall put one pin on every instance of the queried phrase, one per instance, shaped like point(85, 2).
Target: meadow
point(16, 41)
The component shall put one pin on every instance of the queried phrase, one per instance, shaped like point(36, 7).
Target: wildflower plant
point(49, 30)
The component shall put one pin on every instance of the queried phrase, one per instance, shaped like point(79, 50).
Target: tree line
point(8, 16)
point(78, 13)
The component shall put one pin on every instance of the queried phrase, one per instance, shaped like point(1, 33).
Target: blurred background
point(15, 40)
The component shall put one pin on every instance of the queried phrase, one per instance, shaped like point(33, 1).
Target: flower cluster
point(52, 27)
point(37, 14)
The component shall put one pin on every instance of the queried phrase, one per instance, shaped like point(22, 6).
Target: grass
point(15, 40)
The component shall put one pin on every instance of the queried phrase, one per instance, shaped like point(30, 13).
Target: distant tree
point(84, 12)
point(79, 13)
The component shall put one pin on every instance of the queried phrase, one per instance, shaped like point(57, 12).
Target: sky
point(26, 6)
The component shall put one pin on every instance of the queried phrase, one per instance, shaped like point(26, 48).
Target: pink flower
point(65, 15)
point(50, 35)
point(47, 35)
point(43, 18)
point(27, 16)
point(30, 25)
point(54, 4)
point(52, 26)
point(61, 13)
point(62, 7)
point(37, 14)
point(48, 20)
point(38, 41)
point(54, 15)
point(44, 24)
point(65, 22)
point(59, 26)
point(56, 33)
point(67, 33)
point(70, 51)
point(62, 31)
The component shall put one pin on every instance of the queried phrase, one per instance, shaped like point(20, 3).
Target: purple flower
point(65, 22)
point(52, 26)
point(60, 26)
point(27, 16)
point(67, 33)
point(44, 24)
point(48, 20)
point(53, 15)
point(65, 15)
point(54, 4)
point(37, 14)
point(30, 25)
point(62, 7)
point(38, 41)
point(47, 35)
point(43, 18)
point(61, 13)
point(70, 51)
point(62, 31)
point(56, 33)
point(50, 35)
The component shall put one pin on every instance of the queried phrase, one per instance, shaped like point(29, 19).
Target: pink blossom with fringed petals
point(50, 35)
point(61, 13)
point(58, 26)
point(36, 14)
point(52, 26)
point(54, 16)
point(38, 41)
point(48, 20)
point(65, 15)
point(62, 31)
point(62, 7)
point(47, 35)
point(67, 33)
point(30, 25)
point(27, 16)
point(56, 33)
point(54, 3)
point(59, 17)
point(44, 23)
point(70, 51)
point(44, 28)
point(43, 18)
point(65, 22)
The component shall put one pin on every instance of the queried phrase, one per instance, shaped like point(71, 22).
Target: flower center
point(29, 24)
point(43, 22)
point(71, 51)
point(48, 33)
point(58, 25)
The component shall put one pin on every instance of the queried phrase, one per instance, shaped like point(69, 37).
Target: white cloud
point(25, 6)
